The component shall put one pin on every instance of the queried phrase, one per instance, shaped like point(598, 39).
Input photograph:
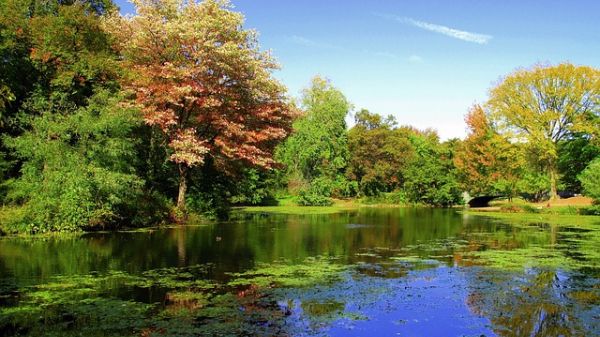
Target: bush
point(511, 208)
point(305, 198)
point(590, 210)
point(396, 197)
point(391, 198)
point(149, 209)
point(529, 209)
point(254, 188)
point(209, 205)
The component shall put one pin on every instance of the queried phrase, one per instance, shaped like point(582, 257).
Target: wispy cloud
point(415, 59)
point(444, 30)
point(311, 43)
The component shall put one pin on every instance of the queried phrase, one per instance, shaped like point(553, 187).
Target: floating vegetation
point(98, 304)
point(531, 257)
point(286, 274)
point(325, 279)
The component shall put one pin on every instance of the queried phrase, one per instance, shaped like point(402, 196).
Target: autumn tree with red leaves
point(203, 81)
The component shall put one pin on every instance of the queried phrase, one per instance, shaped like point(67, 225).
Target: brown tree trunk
point(552, 170)
point(182, 188)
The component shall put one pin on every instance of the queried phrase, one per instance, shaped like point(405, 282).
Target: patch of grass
point(550, 218)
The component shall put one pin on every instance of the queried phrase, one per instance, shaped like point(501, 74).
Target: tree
point(78, 167)
point(69, 129)
point(487, 162)
point(317, 151)
point(379, 153)
point(546, 105)
point(202, 80)
point(431, 177)
point(574, 155)
point(590, 180)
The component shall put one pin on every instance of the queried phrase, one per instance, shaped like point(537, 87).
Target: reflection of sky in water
point(446, 301)
point(425, 303)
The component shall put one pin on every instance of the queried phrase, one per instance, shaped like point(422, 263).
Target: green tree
point(77, 170)
point(590, 180)
point(316, 153)
point(379, 153)
point(431, 177)
point(545, 105)
point(74, 138)
point(574, 155)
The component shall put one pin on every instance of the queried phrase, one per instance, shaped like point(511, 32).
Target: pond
point(368, 272)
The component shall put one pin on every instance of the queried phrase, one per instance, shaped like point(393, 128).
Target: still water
point(370, 272)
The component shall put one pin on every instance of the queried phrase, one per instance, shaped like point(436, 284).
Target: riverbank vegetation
point(110, 122)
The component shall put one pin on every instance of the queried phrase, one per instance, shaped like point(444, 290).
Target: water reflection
point(385, 272)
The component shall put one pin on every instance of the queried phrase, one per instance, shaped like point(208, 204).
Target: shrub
point(305, 198)
point(590, 210)
point(211, 205)
point(396, 197)
point(529, 209)
point(511, 208)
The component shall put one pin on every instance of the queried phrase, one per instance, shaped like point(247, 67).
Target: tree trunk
point(182, 188)
point(553, 180)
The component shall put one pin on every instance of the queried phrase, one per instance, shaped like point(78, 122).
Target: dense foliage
point(111, 121)
point(316, 154)
point(544, 106)
point(202, 80)
point(590, 179)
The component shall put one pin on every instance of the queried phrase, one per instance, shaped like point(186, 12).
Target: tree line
point(111, 121)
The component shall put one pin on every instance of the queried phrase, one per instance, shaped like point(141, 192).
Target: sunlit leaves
point(318, 147)
point(78, 168)
point(544, 105)
point(202, 80)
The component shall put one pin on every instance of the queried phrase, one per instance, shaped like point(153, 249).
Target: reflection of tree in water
point(537, 303)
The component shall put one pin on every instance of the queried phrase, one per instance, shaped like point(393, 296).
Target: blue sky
point(425, 62)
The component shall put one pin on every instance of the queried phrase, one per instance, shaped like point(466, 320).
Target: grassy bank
point(289, 206)
point(528, 218)
point(571, 211)
point(568, 206)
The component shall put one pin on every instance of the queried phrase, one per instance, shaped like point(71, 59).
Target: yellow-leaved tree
point(544, 105)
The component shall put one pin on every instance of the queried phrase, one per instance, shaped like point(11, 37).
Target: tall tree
point(545, 105)
point(318, 146)
point(203, 81)
point(431, 178)
point(379, 153)
point(74, 137)
point(487, 162)
point(78, 167)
